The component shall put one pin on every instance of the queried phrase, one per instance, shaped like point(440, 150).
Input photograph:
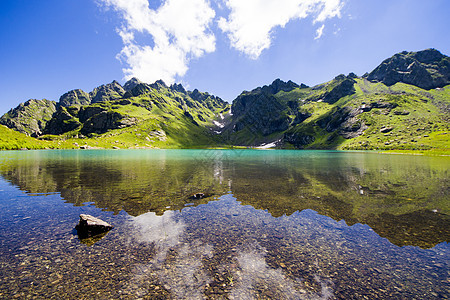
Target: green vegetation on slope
point(385, 110)
point(367, 116)
point(13, 140)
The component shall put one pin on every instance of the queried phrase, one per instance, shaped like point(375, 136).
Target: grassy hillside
point(162, 118)
point(346, 113)
point(13, 140)
point(373, 117)
point(418, 119)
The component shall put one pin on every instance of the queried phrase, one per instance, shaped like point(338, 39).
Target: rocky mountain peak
point(157, 85)
point(30, 117)
point(139, 89)
point(75, 97)
point(279, 85)
point(131, 84)
point(107, 92)
point(196, 95)
point(428, 56)
point(426, 69)
point(178, 88)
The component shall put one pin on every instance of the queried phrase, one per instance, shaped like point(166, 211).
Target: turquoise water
point(272, 224)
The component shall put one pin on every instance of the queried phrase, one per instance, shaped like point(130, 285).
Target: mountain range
point(404, 104)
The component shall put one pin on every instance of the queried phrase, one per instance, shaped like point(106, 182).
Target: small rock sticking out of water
point(90, 226)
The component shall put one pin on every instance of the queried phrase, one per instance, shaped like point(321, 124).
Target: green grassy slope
point(159, 119)
point(346, 113)
point(408, 118)
point(13, 140)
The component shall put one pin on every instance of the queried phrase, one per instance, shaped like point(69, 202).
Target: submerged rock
point(91, 226)
point(200, 195)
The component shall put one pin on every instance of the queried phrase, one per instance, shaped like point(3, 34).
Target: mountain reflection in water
point(403, 198)
point(271, 224)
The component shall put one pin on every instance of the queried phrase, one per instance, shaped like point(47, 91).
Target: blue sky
point(220, 46)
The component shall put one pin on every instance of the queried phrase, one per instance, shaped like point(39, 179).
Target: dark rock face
point(62, 121)
point(210, 101)
point(131, 84)
point(297, 139)
point(88, 112)
point(279, 85)
point(75, 97)
point(90, 226)
point(303, 86)
point(344, 88)
point(107, 92)
point(30, 117)
point(159, 84)
point(187, 114)
point(426, 69)
point(260, 112)
point(300, 117)
point(137, 90)
point(178, 88)
point(196, 95)
point(344, 121)
point(104, 121)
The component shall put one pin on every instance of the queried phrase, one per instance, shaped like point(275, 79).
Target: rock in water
point(90, 226)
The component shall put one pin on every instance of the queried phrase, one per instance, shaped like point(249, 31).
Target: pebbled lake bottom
point(224, 224)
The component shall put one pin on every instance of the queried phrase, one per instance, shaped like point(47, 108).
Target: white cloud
point(160, 43)
point(251, 23)
point(179, 30)
point(319, 32)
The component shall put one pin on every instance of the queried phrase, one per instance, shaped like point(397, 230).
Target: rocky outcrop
point(138, 90)
point(178, 88)
point(344, 88)
point(206, 99)
point(191, 118)
point(197, 95)
point(426, 69)
point(297, 139)
point(30, 117)
point(101, 111)
point(260, 112)
point(107, 92)
point(106, 120)
point(75, 97)
point(344, 121)
point(89, 226)
point(131, 84)
point(88, 112)
point(63, 121)
point(158, 85)
point(279, 85)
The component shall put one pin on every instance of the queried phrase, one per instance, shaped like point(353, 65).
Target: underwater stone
point(90, 226)
point(198, 196)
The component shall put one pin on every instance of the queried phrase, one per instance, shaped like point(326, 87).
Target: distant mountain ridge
point(404, 103)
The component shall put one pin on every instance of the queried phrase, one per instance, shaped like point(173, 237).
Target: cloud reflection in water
point(176, 264)
point(187, 267)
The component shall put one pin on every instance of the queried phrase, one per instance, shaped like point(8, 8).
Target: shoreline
point(431, 152)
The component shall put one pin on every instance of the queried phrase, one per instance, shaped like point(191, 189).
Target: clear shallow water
point(275, 224)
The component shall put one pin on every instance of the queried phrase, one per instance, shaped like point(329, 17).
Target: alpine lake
point(224, 224)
